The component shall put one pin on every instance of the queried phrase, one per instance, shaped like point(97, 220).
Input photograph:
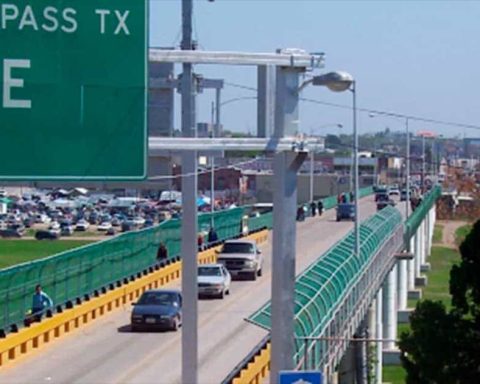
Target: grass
point(394, 374)
point(461, 233)
point(437, 233)
point(14, 252)
point(437, 288)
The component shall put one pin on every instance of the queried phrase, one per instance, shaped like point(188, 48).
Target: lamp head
point(335, 81)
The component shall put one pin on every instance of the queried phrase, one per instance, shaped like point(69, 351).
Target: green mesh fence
point(417, 216)
point(80, 271)
point(320, 288)
point(259, 222)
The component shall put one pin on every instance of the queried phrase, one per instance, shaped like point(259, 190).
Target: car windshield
point(209, 271)
point(237, 248)
point(158, 298)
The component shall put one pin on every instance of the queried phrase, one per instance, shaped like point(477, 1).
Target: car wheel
point(253, 276)
point(221, 294)
point(227, 292)
point(259, 272)
point(338, 219)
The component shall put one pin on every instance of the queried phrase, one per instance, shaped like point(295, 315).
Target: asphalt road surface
point(105, 351)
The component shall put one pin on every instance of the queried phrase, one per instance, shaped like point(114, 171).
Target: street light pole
point(407, 165)
point(423, 164)
point(353, 89)
point(340, 82)
point(312, 159)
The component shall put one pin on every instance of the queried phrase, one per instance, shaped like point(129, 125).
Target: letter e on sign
point(9, 82)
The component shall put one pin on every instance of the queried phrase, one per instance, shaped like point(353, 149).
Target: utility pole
point(286, 165)
point(407, 166)
point(423, 164)
point(189, 215)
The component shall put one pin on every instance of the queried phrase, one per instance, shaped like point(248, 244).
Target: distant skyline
point(414, 58)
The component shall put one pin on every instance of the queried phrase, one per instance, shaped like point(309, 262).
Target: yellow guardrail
point(257, 370)
point(31, 338)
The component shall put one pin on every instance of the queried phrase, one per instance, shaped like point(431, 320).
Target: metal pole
point(212, 163)
point(423, 164)
point(407, 165)
point(355, 170)
point(286, 165)
point(311, 174)
point(189, 220)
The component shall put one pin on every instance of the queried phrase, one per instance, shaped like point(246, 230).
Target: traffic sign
point(300, 377)
point(73, 84)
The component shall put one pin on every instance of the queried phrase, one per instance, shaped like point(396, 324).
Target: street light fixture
point(341, 82)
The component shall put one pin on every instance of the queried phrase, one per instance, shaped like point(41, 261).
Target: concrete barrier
point(31, 338)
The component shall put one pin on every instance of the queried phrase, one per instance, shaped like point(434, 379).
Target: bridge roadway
point(105, 351)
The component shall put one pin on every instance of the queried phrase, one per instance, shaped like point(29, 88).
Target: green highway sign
point(73, 89)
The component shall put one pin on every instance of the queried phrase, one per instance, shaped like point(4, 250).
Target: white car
point(54, 225)
point(82, 225)
point(41, 218)
point(138, 220)
point(213, 280)
point(104, 226)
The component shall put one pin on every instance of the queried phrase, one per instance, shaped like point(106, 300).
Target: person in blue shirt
point(41, 302)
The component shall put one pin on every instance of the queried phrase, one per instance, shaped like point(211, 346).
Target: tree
point(443, 346)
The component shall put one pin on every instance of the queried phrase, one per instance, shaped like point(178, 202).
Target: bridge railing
point(335, 280)
point(78, 272)
point(417, 216)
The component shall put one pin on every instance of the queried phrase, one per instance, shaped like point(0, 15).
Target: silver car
point(213, 280)
point(241, 258)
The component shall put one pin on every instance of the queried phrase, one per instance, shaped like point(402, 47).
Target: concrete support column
point(361, 355)
point(411, 266)
point(422, 243)
point(372, 334)
point(378, 336)
point(346, 368)
point(390, 309)
point(418, 253)
point(402, 284)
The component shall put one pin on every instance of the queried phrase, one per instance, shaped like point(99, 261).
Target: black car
point(9, 233)
point(46, 235)
point(157, 309)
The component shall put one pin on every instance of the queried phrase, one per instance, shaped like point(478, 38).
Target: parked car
point(138, 221)
point(128, 225)
point(42, 219)
point(54, 225)
point(148, 223)
point(82, 225)
point(9, 233)
point(47, 235)
point(157, 309)
point(345, 211)
point(241, 257)
point(110, 231)
point(213, 280)
point(403, 195)
point(66, 228)
point(104, 226)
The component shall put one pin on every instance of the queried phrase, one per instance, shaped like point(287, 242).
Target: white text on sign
point(51, 19)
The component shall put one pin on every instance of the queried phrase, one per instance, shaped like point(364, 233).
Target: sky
point(419, 58)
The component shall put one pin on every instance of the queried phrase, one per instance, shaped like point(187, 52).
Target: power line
point(374, 111)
